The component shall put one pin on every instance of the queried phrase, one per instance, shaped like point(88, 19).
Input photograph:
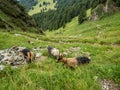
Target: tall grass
point(49, 75)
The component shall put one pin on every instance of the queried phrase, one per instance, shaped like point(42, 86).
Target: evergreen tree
point(66, 10)
point(81, 17)
point(40, 5)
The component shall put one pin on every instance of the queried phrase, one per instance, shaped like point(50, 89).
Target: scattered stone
point(73, 50)
point(109, 85)
point(65, 53)
point(77, 51)
point(12, 56)
point(41, 88)
point(38, 55)
point(1, 56)
point(37, 39)
point(42, 58)
point(17, 34)
point(30, 42)
point(2, 67)
point(38, 49)
point(14, 67)
point(95, 77)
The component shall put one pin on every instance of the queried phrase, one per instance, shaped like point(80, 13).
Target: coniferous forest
point(66, 10)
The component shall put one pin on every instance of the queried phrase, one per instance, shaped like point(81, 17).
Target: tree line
point(28, 4)
point(65, 12)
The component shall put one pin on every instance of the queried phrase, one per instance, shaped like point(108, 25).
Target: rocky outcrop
point(109, 7)
point(12, 56)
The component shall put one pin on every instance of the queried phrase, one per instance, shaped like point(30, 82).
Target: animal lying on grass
point(20, 55)
point(29, 55)
point(73, 62)
point(53, 51)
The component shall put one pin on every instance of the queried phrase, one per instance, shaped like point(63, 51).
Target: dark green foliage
point(40, 5)
point(94, 3)
point(16, 14)
point(54, 19)
point(64, 3)
point(5, 25)
point(28, 3)
point(81, 17)
point(54, 1)
point(46, 3)
point(82, 14)
point(65, 12)
point(118, 2)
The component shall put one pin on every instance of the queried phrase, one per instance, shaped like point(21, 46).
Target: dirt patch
point(42, 58)
point(109, 85)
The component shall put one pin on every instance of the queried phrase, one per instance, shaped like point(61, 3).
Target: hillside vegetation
point(14, 17)
point(66, 10)
point(99, 39)
point(105, 31)
point(42, 6)
point(28, 4)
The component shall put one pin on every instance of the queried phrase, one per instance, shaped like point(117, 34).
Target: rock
point(30, 42)
point(65, 53)
point(38, 55)
point(12, 56)
point(14, 67)
point(37, 49)
point(17, 49)
point(17, 34)
point(2, 67)
point(41, 88)
point(109, 85)
point(37, 39)
point(1, 56)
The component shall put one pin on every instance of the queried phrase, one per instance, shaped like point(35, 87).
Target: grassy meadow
point(101, 39)
point(38, 9)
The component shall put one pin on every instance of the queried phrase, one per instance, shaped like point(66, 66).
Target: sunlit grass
point(47, 74)
point(38, 9)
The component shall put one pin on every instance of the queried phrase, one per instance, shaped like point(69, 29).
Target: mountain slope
point(68, 9)
point(75, 40)
point(54, 19)
point(13, 15)
point(105, 31)
point(42, 6)
point(28, 3)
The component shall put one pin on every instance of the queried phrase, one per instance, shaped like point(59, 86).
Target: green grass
point(88, 13)
point(107, 27)
point(47, 74)
point(37, 9)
